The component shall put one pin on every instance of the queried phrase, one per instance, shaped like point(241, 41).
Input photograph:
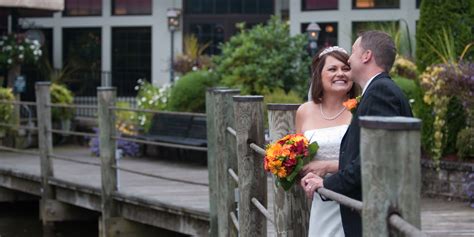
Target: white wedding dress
point(325, 219)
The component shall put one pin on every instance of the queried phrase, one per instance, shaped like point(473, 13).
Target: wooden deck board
point(439, 218)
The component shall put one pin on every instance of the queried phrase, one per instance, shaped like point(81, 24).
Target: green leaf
point(296, 170)
point(313, 149)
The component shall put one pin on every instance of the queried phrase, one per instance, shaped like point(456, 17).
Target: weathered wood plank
point(248, 111)
point(390, 166)
point(106, 98)
point(291, 208)
point(225, 158)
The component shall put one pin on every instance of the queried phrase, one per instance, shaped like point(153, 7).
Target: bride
point(324, 119)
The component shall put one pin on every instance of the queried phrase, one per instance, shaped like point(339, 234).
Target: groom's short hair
point(382, 47)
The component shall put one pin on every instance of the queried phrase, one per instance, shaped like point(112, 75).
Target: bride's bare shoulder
point(306, 107)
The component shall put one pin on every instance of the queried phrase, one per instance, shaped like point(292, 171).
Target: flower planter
point(450, 181)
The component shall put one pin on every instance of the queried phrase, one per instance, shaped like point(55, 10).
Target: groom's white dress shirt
point(368, 83)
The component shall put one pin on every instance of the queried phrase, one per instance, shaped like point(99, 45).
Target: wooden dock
point(174, 205)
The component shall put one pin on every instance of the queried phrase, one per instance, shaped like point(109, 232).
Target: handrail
point(19, 150)
point(18, 126)
point(57, 105)
point(263, 210)
point(18, 102)
point(341, 199)
point(65, 158)
point(405, 227)
point(85, 134)
point(159, 176)
point(233, 217)
point(155, 111)
point(257, 149)
point(160, 143)
point(234, 176)
point(231, 131)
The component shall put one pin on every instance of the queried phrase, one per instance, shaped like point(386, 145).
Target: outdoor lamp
point(173, 15)
point(313, 30)
point(173, 19)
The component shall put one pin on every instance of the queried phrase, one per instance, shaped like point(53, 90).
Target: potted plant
point(60, 94)
point(6, 110)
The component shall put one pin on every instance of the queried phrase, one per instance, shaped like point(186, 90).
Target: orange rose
point(350, 104)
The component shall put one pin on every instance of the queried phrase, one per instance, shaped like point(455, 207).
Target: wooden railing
point(390, 151)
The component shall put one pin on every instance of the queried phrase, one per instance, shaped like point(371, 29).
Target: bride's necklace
point(330, 118)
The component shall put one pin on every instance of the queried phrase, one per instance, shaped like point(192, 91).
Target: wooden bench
point(179, 129)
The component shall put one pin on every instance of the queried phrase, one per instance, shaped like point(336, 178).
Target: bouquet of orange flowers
point(287, 156)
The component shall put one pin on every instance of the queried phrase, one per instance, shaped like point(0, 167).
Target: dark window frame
point(373, 8)
point(112, 10)
point(65, 14)
point(321, 9)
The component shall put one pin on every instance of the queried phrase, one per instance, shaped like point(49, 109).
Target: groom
point(373, 54)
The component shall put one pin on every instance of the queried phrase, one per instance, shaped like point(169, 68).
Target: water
point(21, 219)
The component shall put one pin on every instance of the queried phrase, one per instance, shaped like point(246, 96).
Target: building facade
point(129, 39)
point(340, 20)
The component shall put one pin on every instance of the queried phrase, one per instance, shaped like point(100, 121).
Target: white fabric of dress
point(325, 219)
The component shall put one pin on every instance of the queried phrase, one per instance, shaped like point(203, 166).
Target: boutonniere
point(351, 104)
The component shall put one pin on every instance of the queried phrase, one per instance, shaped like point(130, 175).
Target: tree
point(436, 15)
point(265, 58)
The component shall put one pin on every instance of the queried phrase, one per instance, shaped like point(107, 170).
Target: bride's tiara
point(332, 49)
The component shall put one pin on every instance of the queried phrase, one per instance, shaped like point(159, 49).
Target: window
point(82, 49)
point(309, 5)
point(131, 58)
point(389, 27)
point(418, 2)
point(3, 21)
point(131, 7)
point(327, 36)
point(367, 4)
point(228, 7)
point(209, 32)
point(82, 8)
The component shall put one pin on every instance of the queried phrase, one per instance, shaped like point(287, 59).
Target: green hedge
point(189, 92)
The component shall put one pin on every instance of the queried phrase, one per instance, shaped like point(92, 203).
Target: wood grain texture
point(291, 208)
point(45, 143)
point(390, 166)
point(248, 113)
point(106, 97)
point(211, 159)
point(226, 158)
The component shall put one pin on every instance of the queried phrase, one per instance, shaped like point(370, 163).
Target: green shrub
point(455, 122)
point(403, 67)
point(60, 94)
point(6, 110)
point(189, 92)
point(265, 58)
point(279, 96)
point(465, 143)
point(421, 110)
point(436, 15)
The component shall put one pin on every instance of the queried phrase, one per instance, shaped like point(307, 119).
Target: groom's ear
point(367, 56)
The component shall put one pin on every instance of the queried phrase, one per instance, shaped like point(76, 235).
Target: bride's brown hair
point(316, 69)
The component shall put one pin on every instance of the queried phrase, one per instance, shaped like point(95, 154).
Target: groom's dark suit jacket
point(381, 98)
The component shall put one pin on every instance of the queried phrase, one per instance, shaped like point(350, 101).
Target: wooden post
point(390, 166)
point(225, 158)
point(248, 111)
point(45, 143)
point(291, 208)
point(106, 98)
point(211, 160)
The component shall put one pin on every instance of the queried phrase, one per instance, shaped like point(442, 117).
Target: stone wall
point(450, 181)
